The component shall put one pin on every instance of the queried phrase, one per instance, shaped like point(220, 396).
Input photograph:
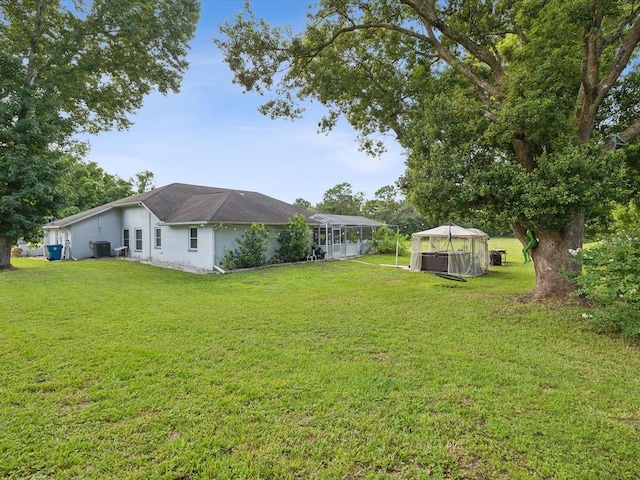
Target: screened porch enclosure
point(341, 236)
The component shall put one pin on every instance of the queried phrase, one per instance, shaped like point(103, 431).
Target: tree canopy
point(341, 200)
point(388, 207)
point(506, 109)
point(144, 181)
point(75, 66)
point(86, 185)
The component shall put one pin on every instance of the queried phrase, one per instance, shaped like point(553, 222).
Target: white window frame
point(138, 240)
point(157, 237)
point(193, 239)
point(126, 237)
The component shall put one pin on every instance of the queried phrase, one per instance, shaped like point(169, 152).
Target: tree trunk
point(5, 252)
point(553, 256)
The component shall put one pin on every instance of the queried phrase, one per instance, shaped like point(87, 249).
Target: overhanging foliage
point(506, 109)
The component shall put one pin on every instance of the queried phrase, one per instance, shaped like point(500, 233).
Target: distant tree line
point(391, 207)
point(87, 185)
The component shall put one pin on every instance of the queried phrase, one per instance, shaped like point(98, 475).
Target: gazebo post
point(397, 243)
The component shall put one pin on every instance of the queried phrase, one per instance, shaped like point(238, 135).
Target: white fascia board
point(78, 220)
point(182, 224)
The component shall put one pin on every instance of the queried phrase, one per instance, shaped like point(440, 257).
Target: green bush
point(294, 240)
point(251, 251)
point(611, 280)
point(626, 216)
point(386, 239)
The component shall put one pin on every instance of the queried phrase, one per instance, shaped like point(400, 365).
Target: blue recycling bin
point(54, 252)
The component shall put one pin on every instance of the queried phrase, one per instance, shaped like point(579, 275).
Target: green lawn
point(346, 369)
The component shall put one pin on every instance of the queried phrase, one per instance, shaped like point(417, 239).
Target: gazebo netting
point(451, 249)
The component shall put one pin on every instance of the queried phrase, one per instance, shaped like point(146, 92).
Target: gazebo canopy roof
point(451, 230)
point(465, 253)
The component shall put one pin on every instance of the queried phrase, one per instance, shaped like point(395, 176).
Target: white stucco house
point(192, 227)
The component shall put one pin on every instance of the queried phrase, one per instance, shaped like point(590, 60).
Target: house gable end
point(78, 217)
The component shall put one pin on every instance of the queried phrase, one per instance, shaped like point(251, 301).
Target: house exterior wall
point(101, 228)
point(213, 245)
point(225, 240)
point(53, 237)
point(81, 236)
point(135, 218)
point(273, 243)
point(176, 251)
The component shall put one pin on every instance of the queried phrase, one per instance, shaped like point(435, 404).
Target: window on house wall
point(193, 238)
point(125, 238)
point(158, 238)
point(138, 239)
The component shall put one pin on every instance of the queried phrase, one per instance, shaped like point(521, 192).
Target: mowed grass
point(346, 369)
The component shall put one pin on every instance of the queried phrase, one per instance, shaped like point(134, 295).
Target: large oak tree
point(75, 66)
point(506, 108)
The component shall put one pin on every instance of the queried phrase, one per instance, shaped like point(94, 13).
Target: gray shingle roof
point(182, 203)
point(71, 219)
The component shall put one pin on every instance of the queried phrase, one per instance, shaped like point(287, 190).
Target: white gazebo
point(450, 249)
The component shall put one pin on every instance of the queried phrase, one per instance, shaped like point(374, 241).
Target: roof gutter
point(218, 223)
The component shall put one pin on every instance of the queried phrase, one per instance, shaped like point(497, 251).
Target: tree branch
point(521, 35)
point(446, 55)
point(313, 52)
point(617, 32)
point(525, 152)
point(492, 117)
point(626, 135)
point(34, 41)
point(631, 132)
point(427, 11)
point(592, 90)
point(621, 60)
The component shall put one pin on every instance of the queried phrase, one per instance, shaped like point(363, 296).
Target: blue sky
point(212, 134)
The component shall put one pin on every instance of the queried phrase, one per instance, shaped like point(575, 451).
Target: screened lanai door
point(337, 244)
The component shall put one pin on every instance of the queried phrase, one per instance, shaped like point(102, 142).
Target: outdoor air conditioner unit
point(102, 249)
